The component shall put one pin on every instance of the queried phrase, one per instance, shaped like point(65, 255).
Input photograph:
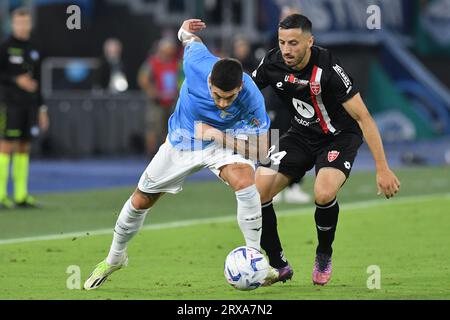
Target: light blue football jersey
point(247, 114)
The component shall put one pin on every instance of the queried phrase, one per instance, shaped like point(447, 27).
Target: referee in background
point(23, 113)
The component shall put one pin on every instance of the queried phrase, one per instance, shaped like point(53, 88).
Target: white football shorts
point(170, 166)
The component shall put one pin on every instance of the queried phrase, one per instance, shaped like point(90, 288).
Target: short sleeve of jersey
point(259, 75)
point(256, 120)
point(341, 83)
point(197, 60)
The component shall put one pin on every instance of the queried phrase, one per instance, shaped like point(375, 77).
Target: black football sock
point(326, 217)
point(270, 241)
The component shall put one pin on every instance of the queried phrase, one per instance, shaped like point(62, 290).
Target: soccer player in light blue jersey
point(220, 123)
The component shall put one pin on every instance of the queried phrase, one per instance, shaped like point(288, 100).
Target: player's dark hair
point(21, 11)
point(295, 21)
point(227, 74)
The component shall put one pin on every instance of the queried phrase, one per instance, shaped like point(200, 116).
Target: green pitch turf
point(406, 237)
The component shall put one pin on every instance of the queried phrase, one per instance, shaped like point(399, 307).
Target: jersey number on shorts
point(276, 157)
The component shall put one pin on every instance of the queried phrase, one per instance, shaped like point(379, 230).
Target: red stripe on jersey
point(314, 101)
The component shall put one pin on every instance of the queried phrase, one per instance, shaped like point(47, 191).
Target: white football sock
point(249, 215)
point(128, 224)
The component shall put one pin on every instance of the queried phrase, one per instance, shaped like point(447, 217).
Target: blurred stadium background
point(402, 70)
point(97, 135)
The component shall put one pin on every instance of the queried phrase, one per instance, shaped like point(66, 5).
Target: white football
point(246, 268)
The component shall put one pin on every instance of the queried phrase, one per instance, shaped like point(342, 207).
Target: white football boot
point(101, 273)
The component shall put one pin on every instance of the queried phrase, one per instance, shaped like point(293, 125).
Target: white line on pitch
point(186, 223)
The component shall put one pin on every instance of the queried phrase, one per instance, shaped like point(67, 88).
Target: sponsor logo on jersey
point(347, 165)
point(306, 123)
point(342, 75)
point(316, 89)
point(292, 79)
point(280, 85)
point(304, 109)
point(224, 114)
point(15, 51)
point(34, 55)
point(332, 155)
point(16, 59)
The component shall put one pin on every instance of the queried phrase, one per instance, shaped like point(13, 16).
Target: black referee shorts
point(18, 122)
point(293, 156)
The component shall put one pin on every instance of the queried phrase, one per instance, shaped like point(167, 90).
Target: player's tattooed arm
point(254, 147)
point(187, 30)
point(387, 182)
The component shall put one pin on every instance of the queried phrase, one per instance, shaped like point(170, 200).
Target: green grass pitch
point(406, 237)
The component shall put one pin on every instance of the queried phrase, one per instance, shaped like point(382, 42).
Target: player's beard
point(295, 62)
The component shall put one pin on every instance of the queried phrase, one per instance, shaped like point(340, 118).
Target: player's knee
point(142, 201)
point(243, 183)
point(238, 176)
point(324, 196)
point(139, 202)
point(6, 147)
point(242, 180)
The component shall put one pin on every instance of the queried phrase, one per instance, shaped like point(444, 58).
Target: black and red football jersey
point(314, 94)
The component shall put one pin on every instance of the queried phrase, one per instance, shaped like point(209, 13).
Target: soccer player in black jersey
point(329, 121)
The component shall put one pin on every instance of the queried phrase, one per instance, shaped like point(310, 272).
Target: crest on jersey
point(332, 155)
point(254, 122)
point(34, 55)
point(316, 89)
point(224, 114)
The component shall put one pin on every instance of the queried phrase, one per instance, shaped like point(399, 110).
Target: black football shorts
point(17, 122)
point(293, 156)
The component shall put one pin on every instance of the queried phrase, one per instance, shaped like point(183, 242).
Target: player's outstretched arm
point(387, 182)
point(187, 30)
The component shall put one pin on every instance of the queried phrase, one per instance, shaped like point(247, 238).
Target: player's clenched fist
point(193, 25)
